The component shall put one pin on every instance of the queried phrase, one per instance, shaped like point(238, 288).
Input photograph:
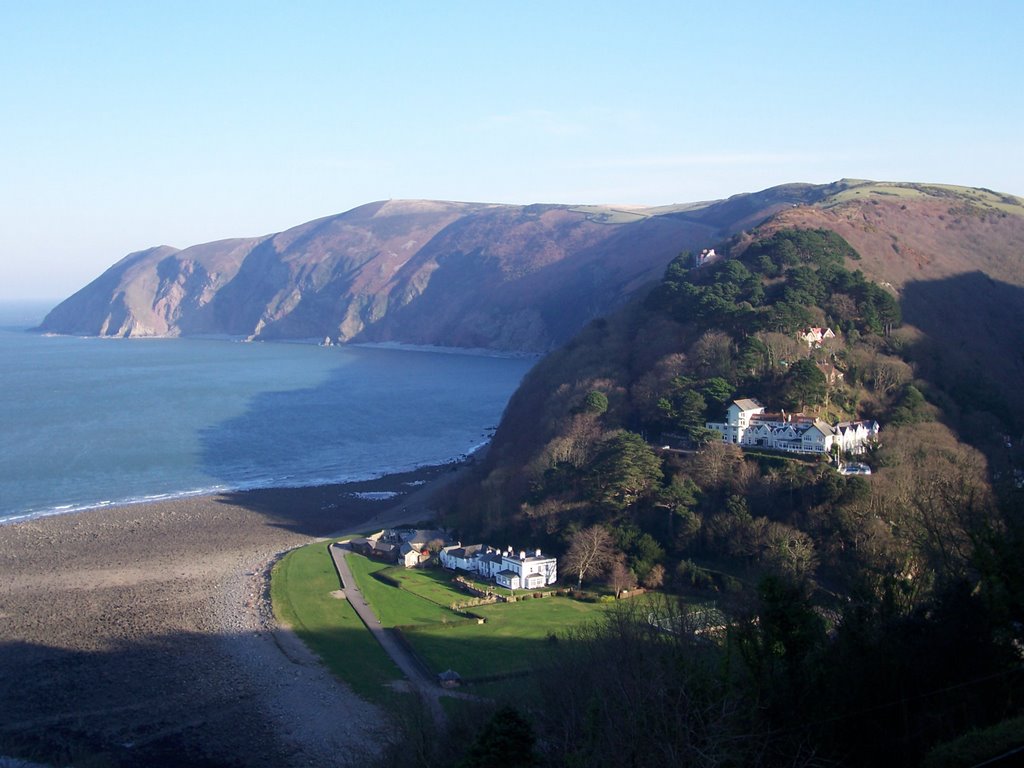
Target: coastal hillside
point(807, 443)
point(508, 277)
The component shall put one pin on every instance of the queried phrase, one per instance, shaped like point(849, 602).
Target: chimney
point(538, 553)
point(522, 554)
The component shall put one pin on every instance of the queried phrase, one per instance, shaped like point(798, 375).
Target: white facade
point(527, 571)
point(460, 557)
point(814, 336)
point(737, 419)
point(747, 425)
point(508, 569)
point(855, 436)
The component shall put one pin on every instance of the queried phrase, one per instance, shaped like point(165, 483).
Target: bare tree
point(590, 553)
point(621, 577)
point(655, 577)
point(714, 353)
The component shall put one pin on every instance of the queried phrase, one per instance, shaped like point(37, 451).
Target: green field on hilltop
point(300, 590)
point(979, 198)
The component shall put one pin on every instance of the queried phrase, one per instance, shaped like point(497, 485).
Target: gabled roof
point(823, 426)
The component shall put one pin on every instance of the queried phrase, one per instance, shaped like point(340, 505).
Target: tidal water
point(89, 422)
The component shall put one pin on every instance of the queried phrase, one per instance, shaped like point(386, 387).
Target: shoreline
point(142, 634)
point(14, 518)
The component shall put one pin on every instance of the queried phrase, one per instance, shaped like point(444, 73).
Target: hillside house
point(404, 545)
point(814, 336)
point(749, 426)
point(737, 418)
point(508, 569)
point(702, 258)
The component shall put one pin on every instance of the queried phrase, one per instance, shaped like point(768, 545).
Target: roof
point(747, 404)
point(823, 426)
point(467, 551)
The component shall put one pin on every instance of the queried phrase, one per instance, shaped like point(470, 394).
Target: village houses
point(507, 568)
point(748, 425)
point(407, 546)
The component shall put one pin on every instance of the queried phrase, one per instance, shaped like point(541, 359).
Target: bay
point(88, 422)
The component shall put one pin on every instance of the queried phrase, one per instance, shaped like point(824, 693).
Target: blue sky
point(127, 125)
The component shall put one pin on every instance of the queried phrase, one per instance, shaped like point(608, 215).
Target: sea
point(87, 423)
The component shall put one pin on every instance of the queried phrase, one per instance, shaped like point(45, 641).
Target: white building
point(748, 425)
point(814, 336)
point(461, 558)
point(526, 571)
point(855, 436)
point(737, 420)
point(507, 569)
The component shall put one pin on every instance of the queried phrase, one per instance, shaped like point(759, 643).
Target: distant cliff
point(426, 272)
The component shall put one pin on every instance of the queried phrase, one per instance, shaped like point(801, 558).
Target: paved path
point(418, 677)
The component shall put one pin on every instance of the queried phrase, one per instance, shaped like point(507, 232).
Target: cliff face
point(453, 274)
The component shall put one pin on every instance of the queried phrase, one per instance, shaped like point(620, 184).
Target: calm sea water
point(91, 422)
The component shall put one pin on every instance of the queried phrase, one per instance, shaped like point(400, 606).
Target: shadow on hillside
point(972, 346)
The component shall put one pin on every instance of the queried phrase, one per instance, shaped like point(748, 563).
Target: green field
point(512, 639)
point(401, 607)
point(300, 590)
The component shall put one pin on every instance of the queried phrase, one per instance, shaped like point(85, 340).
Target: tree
point(655, 577)
point(625, 469)
point(679, 498)
point(621, 578)
point(595, 402)
point(506, 734)
point(590, 553)
point(805, 384)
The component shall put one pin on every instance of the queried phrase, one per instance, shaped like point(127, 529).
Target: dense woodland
point(846, 620)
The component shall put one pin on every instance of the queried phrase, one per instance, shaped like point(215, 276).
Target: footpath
point(419, 678)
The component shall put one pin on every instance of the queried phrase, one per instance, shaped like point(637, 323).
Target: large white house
point(508, 569)
point(746, 424)
point(737, 419)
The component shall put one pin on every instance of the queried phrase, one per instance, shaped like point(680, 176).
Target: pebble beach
point(143, 635)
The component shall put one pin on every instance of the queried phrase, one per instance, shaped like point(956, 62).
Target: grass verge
point(300, 590)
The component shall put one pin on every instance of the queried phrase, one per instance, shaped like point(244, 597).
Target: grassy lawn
point(396, 607)
point(300, 590)
point(513, 638)
point(434, 584)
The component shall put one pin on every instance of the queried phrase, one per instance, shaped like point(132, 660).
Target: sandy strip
point(141, 635)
